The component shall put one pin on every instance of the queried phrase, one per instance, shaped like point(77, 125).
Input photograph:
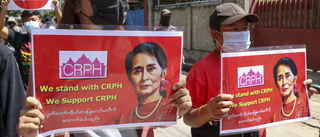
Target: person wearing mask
point(12, 93)
point(204, 78)
point(84, 14)
point(48, 23)
point(13, 25)
point(21, 42)
point(31, 19)
point(164, 25)
point(165, 16)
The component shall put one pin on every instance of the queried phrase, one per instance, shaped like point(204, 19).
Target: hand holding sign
point(31, 118)
point(55, 2)
point(219, 106)
point(181, 99)
point(4, 4)
point(312, 88)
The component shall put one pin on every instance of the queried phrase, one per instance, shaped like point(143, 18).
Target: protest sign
point(30, 5)
point(267, 87)
point(94, 79)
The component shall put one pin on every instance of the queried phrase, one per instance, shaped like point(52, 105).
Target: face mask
point(31, 25)
point(165, 20)
point(11, 24)
point(237, 40)
point(108, 12)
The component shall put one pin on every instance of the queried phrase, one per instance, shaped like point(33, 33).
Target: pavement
point(309, 128)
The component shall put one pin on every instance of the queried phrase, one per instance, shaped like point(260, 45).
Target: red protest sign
point(88, 79)
point(267, 87)
point(30, 4)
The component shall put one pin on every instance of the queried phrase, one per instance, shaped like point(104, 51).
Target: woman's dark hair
point(116, 11)
point(288, 62)
point(68, 14)
point(149, 48)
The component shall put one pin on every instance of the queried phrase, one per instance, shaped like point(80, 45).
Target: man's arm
point(57, 10)
point(3, 12)
point(217, 108)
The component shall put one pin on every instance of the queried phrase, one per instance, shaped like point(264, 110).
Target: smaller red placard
point(267, 87)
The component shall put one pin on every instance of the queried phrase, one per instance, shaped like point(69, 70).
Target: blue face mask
point(31, 25)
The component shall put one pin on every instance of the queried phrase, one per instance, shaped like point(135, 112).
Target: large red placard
point(80, 78)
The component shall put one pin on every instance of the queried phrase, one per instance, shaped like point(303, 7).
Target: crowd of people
point(198, 98)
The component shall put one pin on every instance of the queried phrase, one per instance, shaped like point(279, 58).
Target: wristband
point(210, 122)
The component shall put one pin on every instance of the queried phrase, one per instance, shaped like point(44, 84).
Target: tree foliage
point(14, 13)
point(50, 14)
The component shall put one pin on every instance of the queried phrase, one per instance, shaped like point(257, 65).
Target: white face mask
point(237, 40)
point(31, 25)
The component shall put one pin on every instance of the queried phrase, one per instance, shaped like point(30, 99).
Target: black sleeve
point(12, 96)
point(12, 35)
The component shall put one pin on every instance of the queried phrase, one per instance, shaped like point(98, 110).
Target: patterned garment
point(22, 45)
point(162, 28)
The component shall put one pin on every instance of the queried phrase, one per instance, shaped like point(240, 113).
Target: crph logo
point(83, 64)
point(250, 76)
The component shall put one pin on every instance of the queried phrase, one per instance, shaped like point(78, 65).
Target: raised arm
point(4, 30)
point(57, 10)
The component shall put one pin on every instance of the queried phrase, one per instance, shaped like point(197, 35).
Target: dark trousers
point(214, 131)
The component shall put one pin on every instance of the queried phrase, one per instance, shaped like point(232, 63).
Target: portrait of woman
point(285, 78)
point(146, 70)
